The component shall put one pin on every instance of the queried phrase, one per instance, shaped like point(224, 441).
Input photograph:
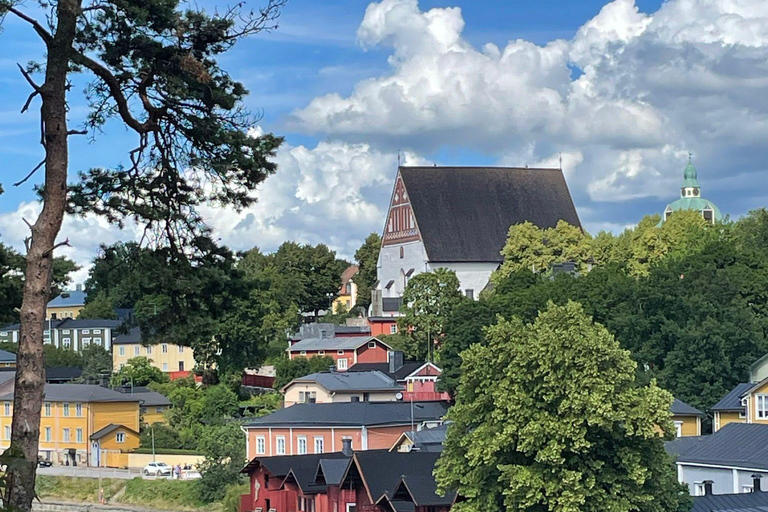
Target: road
point(86, 472)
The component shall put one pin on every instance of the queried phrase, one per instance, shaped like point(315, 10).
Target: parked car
point(157, 469)
point(43, 463)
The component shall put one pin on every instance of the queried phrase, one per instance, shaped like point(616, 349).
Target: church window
point(402, 253)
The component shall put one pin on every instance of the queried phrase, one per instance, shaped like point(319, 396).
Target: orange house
point(323, 428)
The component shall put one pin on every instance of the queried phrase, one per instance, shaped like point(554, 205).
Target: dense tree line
point(685, 298)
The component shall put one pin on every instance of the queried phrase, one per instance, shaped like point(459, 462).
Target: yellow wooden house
point(67, 305)
point(167, 357)
point(687, 419)
point(748, 401)
point(72, 415)
point(346, 297)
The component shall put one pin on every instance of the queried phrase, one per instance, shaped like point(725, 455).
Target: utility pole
point(152, 429)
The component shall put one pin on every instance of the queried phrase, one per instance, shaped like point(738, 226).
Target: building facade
point(331, 387)
point(67, 305)
point(167, 357)
point(687, 419)
point(458, 218)
point(346, 298)
point(70, 333)
point(747, 402)
point(346, 351)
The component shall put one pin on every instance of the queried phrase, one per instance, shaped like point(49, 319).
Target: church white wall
point(392, 267)
point(472, 276)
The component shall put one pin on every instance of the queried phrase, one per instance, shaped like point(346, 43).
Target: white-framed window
point(97, 340)
point(761, 406)
point(47, 409)
point(121, 351)
point(65, 331)
point(165, 367)
point(7, 432)
point(698, 489)
point(86, 331)
point(120, 437)
point(79, 410)
point(7, 408)
point(321, 352)
point(742, 415)
point(393, 329)
point(165, 348)
point(65, 435)
point(341, 364)
point(339, 352)
point(280, 443)
point(302, 444)
point(351, 507)
point(307, 397)
point(137, 350)
point(306, 504)
point(48, 434)
point(261, 445)
point(679, 428)
point(79, 435)
point(181, 349)
point(66, 410)
point(4, 333)
point(371, 344)
point(97, 331)
point(66, 342)
point(149, 350)
point(86, 341)
point(303, 353)
point(319, 442)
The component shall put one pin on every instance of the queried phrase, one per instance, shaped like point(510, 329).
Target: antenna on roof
point(561, 161)
point(398, 158)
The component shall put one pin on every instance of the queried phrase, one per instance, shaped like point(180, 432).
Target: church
point(458, 218)
point(690, 198)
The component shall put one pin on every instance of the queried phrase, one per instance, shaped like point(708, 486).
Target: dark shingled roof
point(732, 401)
point(80, 393)
point(281, 465)
point(132, 337)
point(483, 203)
point(351, 414)
point(7, 357)
point(745, 502)
point(401, 373)
point(62, 373)
point(736, 444)
point(682, 445)
point(89, 323)
point(108, 430)
point(680, 408)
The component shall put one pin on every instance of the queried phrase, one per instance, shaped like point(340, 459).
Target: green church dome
point(690, 198)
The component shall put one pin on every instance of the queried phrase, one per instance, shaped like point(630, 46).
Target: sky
point(621, 91)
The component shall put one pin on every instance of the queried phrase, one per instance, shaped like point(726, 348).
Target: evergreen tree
point(367, 258)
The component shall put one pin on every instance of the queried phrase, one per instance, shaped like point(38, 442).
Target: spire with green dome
point(690, 197)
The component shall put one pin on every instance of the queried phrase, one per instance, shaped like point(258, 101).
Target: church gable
point(401, 224)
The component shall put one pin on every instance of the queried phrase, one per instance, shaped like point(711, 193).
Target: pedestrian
point(178, 471)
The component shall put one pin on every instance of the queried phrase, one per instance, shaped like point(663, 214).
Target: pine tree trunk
point(30, 372)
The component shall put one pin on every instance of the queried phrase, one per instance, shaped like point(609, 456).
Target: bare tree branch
point(33, 171)
point(77, 132)
point(65, 243)
point(44, 34)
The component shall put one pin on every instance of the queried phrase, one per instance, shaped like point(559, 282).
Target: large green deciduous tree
point(367, 257)
point(548, 417)
point(155, 71)
point(428, 301)
point(288, 369)
point(138, 371)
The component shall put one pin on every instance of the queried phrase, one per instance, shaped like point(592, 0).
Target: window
point(402, 253)
point(120, 437)
point(136, 350)
point(742, 414)
point(761, 402)
point(79, 435)
point(306, 505)
point(97, 331)
point(393, 329)
point(143, 410)
point(181, 349)
point(79, 410)
point(470, 293)
point(65, 331)
point(351, 507)
point(319, 444)
point(86, 331)
point(159, 408)
point(149, 350)
point(7, 431)
point(321, 352)
point(7, 409)
point(371, 344)
point(66, 410)
point(698, 489)
point(4, 333)
point(165, 367)
point(48, 434)
point(97, 340)
point(121, 351)
point(261, 445)
point(66, 342)
point(165, 348)
point(181, 366)
point(303, 353)
point(307, 397)
point(341, 364)
point(65, 435)
point(302, 445)
point(354, 399)
point(340, 352)
point(86, 340)
point(47, 408)
point(280, 445)
point(679, 428)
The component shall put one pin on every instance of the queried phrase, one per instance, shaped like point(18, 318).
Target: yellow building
point(346, 298)
point(166, 357)
point(81, 423)
point(66, 305)
point(748, 401)
point(687, 419)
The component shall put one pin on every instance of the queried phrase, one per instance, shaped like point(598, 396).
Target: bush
point(165, 437)
point(231, 500)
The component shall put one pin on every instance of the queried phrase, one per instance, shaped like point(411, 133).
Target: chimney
point(395, 360)
point(346, 447)
point(707, 487)
point(756, 483)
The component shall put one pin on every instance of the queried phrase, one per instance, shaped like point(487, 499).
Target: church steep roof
point(464, 213)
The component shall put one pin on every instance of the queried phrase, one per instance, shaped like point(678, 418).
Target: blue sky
point(622, 90)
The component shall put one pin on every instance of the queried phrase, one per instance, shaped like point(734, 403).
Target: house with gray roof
point(71, 333)
point(728, 461)
point(756, 501)
point(687, 419)
point(345, 351)
point(333, 386)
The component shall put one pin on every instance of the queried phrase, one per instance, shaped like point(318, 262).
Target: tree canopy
point(138, 371)
point(548, 417)
point(367, 258)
